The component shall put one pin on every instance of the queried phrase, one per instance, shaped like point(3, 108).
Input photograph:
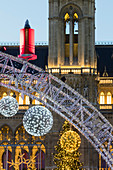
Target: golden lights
point(75, 16)
point(66, 17)
point(70, 141)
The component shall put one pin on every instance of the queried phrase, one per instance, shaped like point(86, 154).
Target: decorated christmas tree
point(67, 156)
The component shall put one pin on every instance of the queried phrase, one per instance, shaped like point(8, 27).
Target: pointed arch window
point(67, 24)
point(21, 134)
point(4, 94)
point(108, 98)
point(6, 133)
point(27, 100)
point(40, 159)
point(20, 99)
point(75, 17)
point(71, 38)
point(102, 98)
point(11, 94)
point(36, 101)
point(6, 157)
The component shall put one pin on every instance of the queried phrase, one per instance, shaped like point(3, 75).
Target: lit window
point(4, 94)
point(27, 101)
point(66, 17)
point(75, 16)
point(102, 98)
point(108, 98)
point(36, 101)
point(11, 94)
point(20, 99)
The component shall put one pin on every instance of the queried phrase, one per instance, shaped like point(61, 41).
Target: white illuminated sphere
point(38, 121)
point(8, 106)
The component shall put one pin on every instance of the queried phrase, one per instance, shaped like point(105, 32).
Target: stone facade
point(86, 32)
point(80, 75)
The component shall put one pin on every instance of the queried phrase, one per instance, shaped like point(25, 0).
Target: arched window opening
point(76, 28)
point(36, 101)
point(27, 100)
point(71, 39)
point(40, 159)
point(67, 34)
point(67, 29)
point(21, 134)
point(67, 23)
point(75, 48)
point(4, 94)
point(7, 156)
point(11, 94)
point(108, 98)
point(26, 157)
point(6, 133)
point(20, 100)
point(102, 98)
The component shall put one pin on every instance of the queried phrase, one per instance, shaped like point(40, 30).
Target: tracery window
point(109, 98)
point(21, 134)
point(40, 159)
point(71, 38)
point(6, 133)
point(102, 98)
point(38, 152)
point(7, 156)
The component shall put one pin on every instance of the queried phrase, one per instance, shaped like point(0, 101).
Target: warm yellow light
point(20, 99)
point(75, 16)
point(70, 141)
point(108, 98)
point(36, 101)
point(102, 98)
point(27, 100)
point(66, 17)
point(4, 94)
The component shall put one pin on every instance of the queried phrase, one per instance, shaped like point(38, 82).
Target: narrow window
point(102, 98)
point(27, 101)
point(20, 99)
point(108, 98)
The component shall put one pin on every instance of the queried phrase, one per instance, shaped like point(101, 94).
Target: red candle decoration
point(27, 43)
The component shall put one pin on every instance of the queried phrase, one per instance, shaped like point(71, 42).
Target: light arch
point(80, 113)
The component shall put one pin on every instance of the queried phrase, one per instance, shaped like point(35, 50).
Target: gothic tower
point(71, 33)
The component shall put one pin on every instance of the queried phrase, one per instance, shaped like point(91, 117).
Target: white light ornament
point(38, 121)
point(8, 106)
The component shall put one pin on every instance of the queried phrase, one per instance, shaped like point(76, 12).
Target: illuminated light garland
point(38, 121)
point(8, 106)
point(70, 141)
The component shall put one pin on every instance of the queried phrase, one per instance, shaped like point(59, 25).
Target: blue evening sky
point(13, 14)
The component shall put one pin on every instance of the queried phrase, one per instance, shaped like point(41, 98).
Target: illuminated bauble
point(70, 141)
point(8, 106)
point(38, 121)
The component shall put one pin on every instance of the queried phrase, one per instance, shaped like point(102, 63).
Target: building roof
point(104, 57)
